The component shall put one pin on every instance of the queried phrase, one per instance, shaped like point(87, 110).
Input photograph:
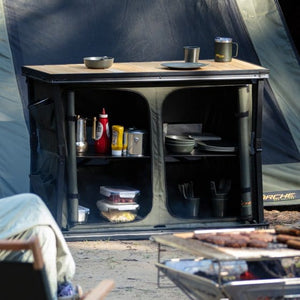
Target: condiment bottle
point(117, 140)
point(102, 138)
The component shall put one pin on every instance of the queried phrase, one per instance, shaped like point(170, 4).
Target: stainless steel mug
point(81, 143)
point(191, 54)
point(137, 142)
point(223, 49)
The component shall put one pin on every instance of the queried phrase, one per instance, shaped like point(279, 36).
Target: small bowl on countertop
point(98, 62)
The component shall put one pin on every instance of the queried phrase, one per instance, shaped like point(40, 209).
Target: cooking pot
point(137, 142)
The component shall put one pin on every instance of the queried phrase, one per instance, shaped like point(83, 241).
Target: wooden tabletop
point(142, 70)
point(146, 67)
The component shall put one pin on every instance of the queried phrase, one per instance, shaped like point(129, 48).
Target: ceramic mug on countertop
point(223, 49)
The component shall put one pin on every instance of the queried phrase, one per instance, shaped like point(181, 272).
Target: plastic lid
point(223, 39)
point(116, 152)
point(103, 205)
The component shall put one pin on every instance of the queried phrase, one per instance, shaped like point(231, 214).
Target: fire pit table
point(220, 272)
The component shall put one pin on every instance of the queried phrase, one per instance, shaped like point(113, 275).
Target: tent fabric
point(54, 32)
point(14, 152)
point(281, 132)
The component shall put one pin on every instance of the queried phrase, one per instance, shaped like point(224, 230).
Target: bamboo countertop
point(143, 69)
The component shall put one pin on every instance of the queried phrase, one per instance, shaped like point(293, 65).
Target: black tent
point(61, 32)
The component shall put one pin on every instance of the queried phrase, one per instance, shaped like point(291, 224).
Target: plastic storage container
point(83, 213)
point(116, 194)
point(117, 213)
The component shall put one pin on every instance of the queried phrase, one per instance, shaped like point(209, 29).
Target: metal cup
point(220, 203)
point(193, 206)
point(191, 54)
point(223, 49)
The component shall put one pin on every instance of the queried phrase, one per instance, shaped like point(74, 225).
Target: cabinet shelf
point(196, 155)
point(105, 156)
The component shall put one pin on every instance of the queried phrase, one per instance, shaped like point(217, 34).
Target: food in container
point(117, 213)
point(117, 194)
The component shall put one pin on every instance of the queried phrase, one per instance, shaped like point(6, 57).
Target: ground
point(131, 263)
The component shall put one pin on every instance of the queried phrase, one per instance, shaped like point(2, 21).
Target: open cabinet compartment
point(215, 110)
point(130, 110)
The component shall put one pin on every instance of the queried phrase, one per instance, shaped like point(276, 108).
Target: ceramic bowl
point(98, 62)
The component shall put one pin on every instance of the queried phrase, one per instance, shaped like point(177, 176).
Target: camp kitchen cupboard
point(224, 99)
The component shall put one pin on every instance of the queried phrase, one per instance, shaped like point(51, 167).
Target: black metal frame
point(61, 88)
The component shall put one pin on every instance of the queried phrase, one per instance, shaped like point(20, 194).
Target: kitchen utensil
point(98, 62)
point(179, 148)
point(220, 197)
point(81, 143)
point(179, 139)
point(193, 206)
point(183, 65)
point(186, 189)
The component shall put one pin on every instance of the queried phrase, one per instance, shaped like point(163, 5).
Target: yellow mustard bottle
point(117, 140)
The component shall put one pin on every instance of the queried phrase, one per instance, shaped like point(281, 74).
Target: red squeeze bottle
point(102, 140)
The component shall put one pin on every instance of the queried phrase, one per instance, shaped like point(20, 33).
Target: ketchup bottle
point(102, 139)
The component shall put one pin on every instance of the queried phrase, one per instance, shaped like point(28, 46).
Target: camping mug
point(223, 49)
point(191, 54)
point(137, 142)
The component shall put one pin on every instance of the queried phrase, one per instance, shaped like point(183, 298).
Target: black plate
point(183, 65)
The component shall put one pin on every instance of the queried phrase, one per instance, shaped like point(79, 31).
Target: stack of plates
point(179, 144)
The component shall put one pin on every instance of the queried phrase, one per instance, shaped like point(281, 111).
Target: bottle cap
point(103, 114)
point(116, 152)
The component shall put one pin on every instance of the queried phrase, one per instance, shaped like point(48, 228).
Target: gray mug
point(223, 49)
point(191, 54)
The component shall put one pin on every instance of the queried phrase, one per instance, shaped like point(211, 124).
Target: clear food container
point(117, 194)
point(83, 213)
point(117, 213)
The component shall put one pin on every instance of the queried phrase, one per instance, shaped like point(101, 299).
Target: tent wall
point(53, 32)
point(14, 150)
point(281, 132)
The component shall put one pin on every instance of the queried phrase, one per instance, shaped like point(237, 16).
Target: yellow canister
point(117, 140)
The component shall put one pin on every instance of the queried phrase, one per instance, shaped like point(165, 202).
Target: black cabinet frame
point(60, 90)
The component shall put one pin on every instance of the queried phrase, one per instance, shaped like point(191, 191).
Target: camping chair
point(28, 281)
